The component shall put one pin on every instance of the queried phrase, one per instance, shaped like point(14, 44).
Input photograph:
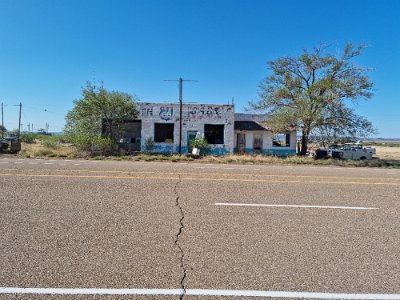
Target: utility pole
point(2, 121)
point(19, 122)
point(180, 80)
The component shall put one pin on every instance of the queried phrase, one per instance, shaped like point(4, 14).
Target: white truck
point(355, 151)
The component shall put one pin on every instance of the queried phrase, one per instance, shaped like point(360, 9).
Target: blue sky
point(49, 49)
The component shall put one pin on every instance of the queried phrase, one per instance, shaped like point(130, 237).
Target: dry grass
point(386, 157)
point(40, 150)
point(297, 160)
point(390, 153)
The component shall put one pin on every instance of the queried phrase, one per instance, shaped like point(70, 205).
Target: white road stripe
point(195, 292)
point(295, 206)
point(207, 167)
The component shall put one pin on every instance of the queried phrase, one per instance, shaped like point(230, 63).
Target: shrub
point(28, 138)
point(52, 141)
point(94, 144)
point(50, 144)
point(43, 152)
point(103, 145)
point(202, 145)
point(148, 145)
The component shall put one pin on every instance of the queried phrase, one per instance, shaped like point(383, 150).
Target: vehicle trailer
point(321, 154)
point(10, 145)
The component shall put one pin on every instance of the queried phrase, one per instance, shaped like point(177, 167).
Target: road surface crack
point(177, 239)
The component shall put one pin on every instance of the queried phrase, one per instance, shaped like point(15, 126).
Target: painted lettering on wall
point(147, 111)
point(205, 112)
point(166, 112)
point(191, 113)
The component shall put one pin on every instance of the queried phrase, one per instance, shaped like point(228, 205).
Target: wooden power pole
point(19, 121)
point(180, 80)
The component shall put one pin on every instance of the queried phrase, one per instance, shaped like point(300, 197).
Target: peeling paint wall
point(194, 116)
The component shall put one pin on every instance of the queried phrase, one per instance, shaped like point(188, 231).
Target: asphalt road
point(188, 228)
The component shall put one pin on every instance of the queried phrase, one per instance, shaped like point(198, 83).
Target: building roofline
point(177, 102)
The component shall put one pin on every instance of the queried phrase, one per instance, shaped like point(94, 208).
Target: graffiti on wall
point(190, 112)
point(166, 112)
point(147, 111)
point(198, 112)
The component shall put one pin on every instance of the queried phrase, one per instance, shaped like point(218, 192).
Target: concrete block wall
point(194, 117)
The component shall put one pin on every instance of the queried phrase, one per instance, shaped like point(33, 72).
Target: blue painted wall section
point(170, 149)
point(249, 150)
point(279, 152)
point(184, 149)
point(218, 151)
point(269, 151)
point(160, 148)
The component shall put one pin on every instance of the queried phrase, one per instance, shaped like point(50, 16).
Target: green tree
point(342, 125)
point(99, 112)
point(3, 131)
point(313, 91)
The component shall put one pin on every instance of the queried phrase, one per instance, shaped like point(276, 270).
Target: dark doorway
point(241, 142)
point(257, 143)
point(131, 135)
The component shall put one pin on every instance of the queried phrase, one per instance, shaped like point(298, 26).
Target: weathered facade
point(160, 122)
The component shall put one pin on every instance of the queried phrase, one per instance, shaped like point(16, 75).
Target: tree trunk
point(304, 143)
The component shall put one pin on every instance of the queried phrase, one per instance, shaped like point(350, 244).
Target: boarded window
point(163, 133)
point(214, 134)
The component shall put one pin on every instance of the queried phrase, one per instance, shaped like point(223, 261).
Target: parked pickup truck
point(354, 151)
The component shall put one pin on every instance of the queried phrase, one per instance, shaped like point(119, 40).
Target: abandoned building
point(159, 125)
point(253, 137)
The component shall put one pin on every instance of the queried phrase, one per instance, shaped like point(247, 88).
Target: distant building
point(225, 131)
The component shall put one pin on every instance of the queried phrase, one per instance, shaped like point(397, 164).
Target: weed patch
point(44, 152)
point(52, 147)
